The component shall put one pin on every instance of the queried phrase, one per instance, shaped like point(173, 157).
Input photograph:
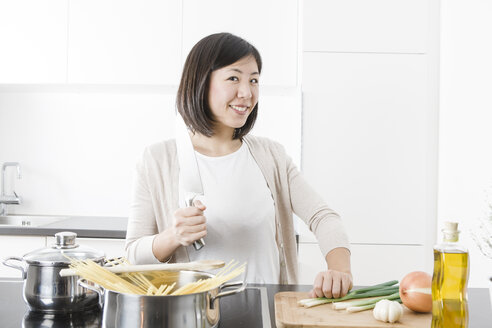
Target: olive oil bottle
point(449, 281)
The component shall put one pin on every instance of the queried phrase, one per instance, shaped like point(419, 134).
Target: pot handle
point(7, 260)
point(230, 292)
point(99, 290)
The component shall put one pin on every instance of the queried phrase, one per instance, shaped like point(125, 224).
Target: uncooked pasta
point(150, 283)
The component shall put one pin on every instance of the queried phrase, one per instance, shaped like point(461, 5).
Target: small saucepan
point(44, 289)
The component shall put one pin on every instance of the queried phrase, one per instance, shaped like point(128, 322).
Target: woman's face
point(233, 93)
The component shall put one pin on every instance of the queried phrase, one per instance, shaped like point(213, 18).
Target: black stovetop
point(240, 310)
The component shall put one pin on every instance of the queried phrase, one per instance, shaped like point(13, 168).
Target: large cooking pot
point(200, 310)
point(44, 289)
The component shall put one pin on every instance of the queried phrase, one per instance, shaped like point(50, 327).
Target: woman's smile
point(240, 109)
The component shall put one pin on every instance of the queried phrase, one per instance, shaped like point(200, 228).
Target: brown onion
point(415, 291)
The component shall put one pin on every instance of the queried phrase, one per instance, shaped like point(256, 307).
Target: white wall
point(77, 150)
point(78, 146)
point(465, 140)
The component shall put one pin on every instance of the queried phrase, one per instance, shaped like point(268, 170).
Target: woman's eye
point(254, 81)
point(233, 78)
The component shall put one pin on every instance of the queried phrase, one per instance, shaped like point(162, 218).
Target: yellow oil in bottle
point(449, 283)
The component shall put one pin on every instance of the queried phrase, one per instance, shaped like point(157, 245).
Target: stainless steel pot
point(44, 289)
point(200, 310)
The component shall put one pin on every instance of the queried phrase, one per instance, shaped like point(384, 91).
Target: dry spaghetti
point(151, 283)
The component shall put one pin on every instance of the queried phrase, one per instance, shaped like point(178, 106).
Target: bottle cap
point(451, 226)
point(450, 231)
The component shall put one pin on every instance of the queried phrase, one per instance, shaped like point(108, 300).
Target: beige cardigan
point(155, 198)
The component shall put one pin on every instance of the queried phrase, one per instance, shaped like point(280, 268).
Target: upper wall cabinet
point(33, 41)
point(271, 26)
point(124, 42)
point(393, 26)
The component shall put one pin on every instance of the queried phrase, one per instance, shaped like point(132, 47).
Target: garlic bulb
point(388, 311)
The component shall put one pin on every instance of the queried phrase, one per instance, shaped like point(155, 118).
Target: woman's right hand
point(189, 224)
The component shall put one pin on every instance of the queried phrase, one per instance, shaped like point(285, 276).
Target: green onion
point(384, 284)
point(310, 302)
point(383, 289)
point(345, 305)
point(371, 306)
point(365, 304)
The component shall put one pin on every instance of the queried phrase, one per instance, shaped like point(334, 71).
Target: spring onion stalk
point(345, 305)
point(366, 304)
point(310, 302)
point(383, 289)
point(383, 285)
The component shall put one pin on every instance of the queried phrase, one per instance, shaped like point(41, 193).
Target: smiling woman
point(219, 60)
point(251, 188)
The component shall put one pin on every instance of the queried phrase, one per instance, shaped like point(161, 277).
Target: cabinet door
point(275, 39)
point(386, 26)
point(124, 42)
point(33, 41)
point(371, 264)
point(367, 143)
point(17, 246)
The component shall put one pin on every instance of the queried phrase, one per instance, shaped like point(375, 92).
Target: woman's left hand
point(331, 284)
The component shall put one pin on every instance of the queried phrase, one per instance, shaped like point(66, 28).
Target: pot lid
point(62, 251)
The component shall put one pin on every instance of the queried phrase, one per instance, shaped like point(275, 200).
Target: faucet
point(8, 199)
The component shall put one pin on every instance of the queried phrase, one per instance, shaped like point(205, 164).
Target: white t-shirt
point(240, 215)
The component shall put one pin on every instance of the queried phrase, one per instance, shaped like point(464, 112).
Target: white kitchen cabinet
point(368, 143)
point(384, 26)
point(17, 246)
point(112, 248)
point(369, 149)
point(33, 41)
point(124, 42)
point(371, 264)
point(275, 38)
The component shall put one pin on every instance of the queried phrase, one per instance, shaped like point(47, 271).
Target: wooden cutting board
point(288, 315)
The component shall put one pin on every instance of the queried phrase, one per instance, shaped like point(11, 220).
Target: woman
point(251, 187)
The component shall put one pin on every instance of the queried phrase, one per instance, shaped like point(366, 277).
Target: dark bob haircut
point(209, 54)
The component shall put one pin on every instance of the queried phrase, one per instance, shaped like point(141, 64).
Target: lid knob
point(65, 239)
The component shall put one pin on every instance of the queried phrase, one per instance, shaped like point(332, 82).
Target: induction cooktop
point(246, 309)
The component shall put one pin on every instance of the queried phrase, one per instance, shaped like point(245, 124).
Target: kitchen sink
point(29, 220)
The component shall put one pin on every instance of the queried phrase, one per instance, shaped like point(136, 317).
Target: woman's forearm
point(164, 245)
point(339, 259)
